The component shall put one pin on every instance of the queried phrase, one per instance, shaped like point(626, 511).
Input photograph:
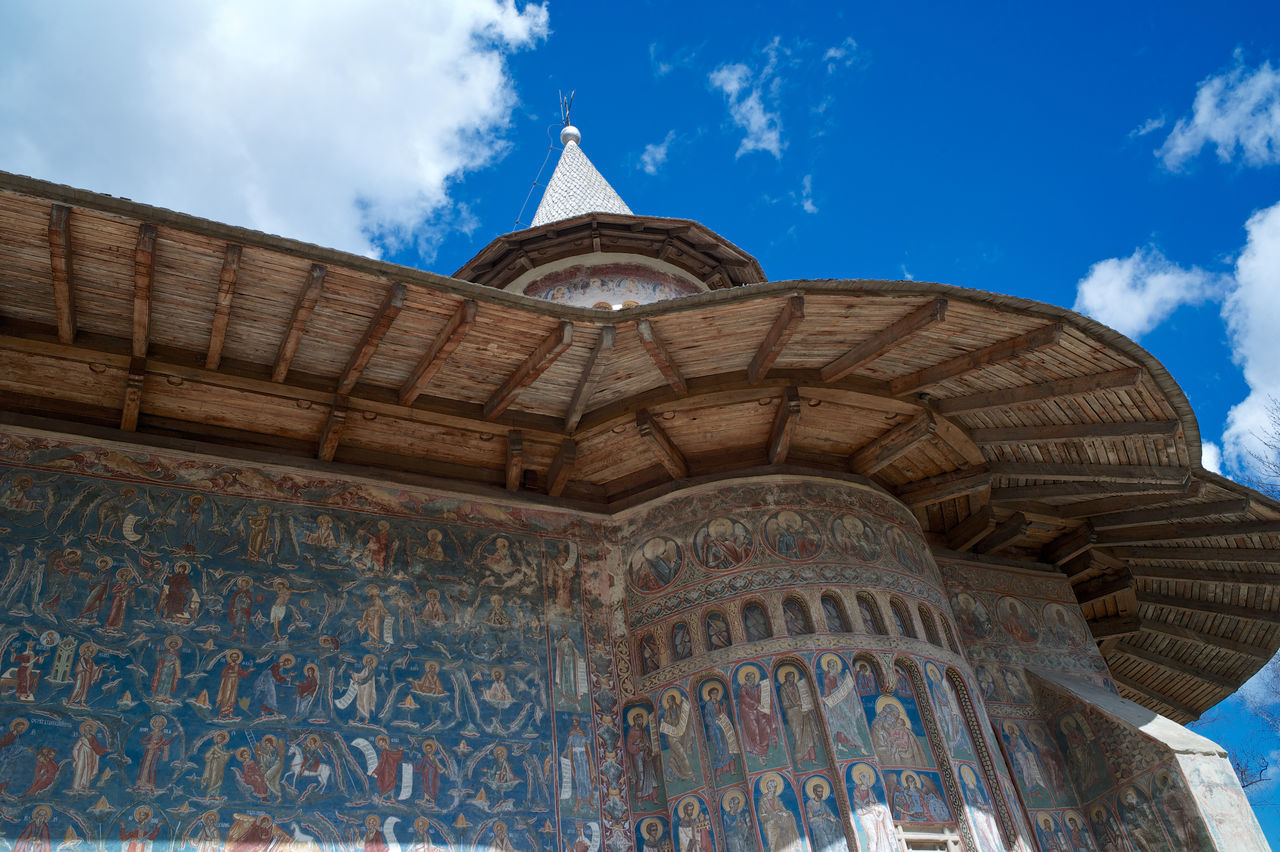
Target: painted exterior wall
point(206, 653)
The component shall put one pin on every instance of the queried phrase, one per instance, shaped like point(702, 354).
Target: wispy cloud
point(806, 195)
point(655, 154)
point(338, 124)
point(1151, 125)
point(1237, 111)
point(840, 56)
point(1211, 457)
point(746, 92)
point(1134, 294)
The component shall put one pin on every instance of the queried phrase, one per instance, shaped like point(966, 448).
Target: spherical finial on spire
point(570, 134)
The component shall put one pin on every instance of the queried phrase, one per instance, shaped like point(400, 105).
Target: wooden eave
point(1014, 430)
point(697, 250)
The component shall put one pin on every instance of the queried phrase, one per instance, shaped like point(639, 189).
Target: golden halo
point(706, 687)
point(812, 782)
point(863, 770)
point(822, 661)
point(748, 667)
point(885, 700)
point(732, 796)
point(763, 781)
point(1045, 821)
point(645, 823)
point(45, 809)
point(673, 691)
point(966, 771)
point(637, 712)
point(932, 672)
point(781, 673)
point(907, 773)
point(690, 798)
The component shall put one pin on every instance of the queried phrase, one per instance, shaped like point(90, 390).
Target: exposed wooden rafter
point(1043, 391)
point(884, 450)
point(664, 449)
point(302, 311)
point(334, 425)
point(1251, 555)
point(976, 360)
point(143, 274)
point(946, 486)
point(1085, 488)
point(972, 529)
point(1006, 534)
point(1218, 576)
point(368, 345)
point(661, 357)
point(1185, 512)
point(1102, 587)
point(455, 329)
point(1069, 545)
point(1202, 637)
point(1127, 498)
point(64, 302)
point(779, 334)
point(133, 385)
point(1145, 474)
point(515, 459)
point(1155, 697)
point(1249, 613)
point(784, 425)
point(883, 341)
point(1114, 626)
point(1071, 431)
point(551, 348)
point(1172, 665)
point(561, 467)
point(590, 375)
point(1187, 532)
point(222, 307)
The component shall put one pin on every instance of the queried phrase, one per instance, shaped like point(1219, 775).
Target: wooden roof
point(1013, 429)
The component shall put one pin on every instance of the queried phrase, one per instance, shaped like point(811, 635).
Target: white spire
point(576, 187)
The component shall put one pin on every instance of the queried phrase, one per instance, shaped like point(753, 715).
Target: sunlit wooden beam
point(1060, 389)
point(1071, 431)
point(64, 302)
point(590, 375)
point(664, 449)
point(302, 311)
point(368, 345)
point(784, 425)
point(515, 459)
point(449, 338)
point(222, 308)
point(143, 275)
point(882, 342)
point(334, 425)
point(776, 339)
point(561, 467)
point(551, 348)
point(884, 450)
point(978, 359)
point(661, 356)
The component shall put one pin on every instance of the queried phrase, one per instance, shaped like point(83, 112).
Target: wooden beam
point(882, 342)
point(551, 348)
point(779, 334)
point(1201, 637)
point(515, 459)
point(1008, 532)
point(1088, 562)
point(972, 529)
point(1184, 512)
point(1250, 555)
point(1126, 500)
point(1069, 545)
point(1249, 613)
point(143, 273)
point(1188, 532)
point(661, 356)
point(561, 467)
point(938, 489)
point(784, 425)
point(1175, 666)
point(334, 425)
point(222, 307)
point(378, 326)
point(590, 375)
point(1155, 697)
point(883, 451)
point(666, 452)
point(1207, 574)
point(63, 279)
point(1057, 389)
point(1113, 626)
point(302, 310)
point(439, 351)
point(133, 385)
point(1052, 490)
point(1098, 588)
point(1072, 431)
point(977, 359)
point(1089, 472)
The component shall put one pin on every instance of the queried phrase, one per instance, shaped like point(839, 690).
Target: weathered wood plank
point(1102, 587)
point(1183, 512)
point(972, 529)
point(561, 467)
point(1206, 574)
point(1259, 555)
point(1174, 666)
point(438, 353)
point(1201, 637)
point(302, 311)
point(64, 302)
point(1248, 613)
point(1072, 431)
point(661, 356)
point(222, 307)
point(784, 425)
point(334, 425)
point(143, 273)
point(936, 489)
point(1006, 534)
point(1154, 696)
point(779, 334)
point(1069, 545)
point(1114, 626)
point(382, 319)
point(882, 342)
point(1040, 338)
point(884, 450)
point(551, 348)
point(1053, 490)
point(515, 459)
point(1058, 389)
point(664, 449)
point(1187, 532)
point(590, 376)
point(133, 394)
point(1145, 474)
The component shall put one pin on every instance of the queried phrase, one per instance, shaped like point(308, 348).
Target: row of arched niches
point(797, 676)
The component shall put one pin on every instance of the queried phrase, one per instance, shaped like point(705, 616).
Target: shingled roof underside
point(576, 188)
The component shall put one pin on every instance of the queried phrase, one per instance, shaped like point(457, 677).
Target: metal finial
point(569, 133)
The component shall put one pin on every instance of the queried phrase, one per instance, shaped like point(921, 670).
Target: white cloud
point(806, 195)
point(1136, 293)
point(1252, 313)
point(1211, 457)
point(655, 154)
point(1238, 110)
point(338, 124)
point(840, 56)
point(1151, 125)
point(747, 92)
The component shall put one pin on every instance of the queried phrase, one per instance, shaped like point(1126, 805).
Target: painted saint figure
point(722, 738)
point(639, 746)
point(824, 826)
point(759, 725)
point(155, 744)
point(85, 756)
point(777, 823)
point(577, 752)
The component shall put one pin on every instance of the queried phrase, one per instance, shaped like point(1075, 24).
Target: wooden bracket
point(661, 356)
point(302, 311)
point(946, 486)
point(590, 375)
point(331, 435)
point(515, 459)
point(222, 310)
point(1078, 386)
point(133, 385)
point(971, 530)
point(883, 451)
point(551, 348)
point(561, 467)
point(1114, 626)
point(977, 359)
point(1069, 545)
point(664, 449)
point(776, 339)
point(784, 425)
point(382, 319)
point(882, 342)
point(60, 264)
point(1007, 533)
point(143, 274)
point(441, 348)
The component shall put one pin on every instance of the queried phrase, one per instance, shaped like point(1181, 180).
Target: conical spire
point(576, 187)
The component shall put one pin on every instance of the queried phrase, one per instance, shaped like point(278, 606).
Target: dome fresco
point(613, 285)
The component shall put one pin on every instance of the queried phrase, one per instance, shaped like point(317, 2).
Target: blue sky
point(1121, 158)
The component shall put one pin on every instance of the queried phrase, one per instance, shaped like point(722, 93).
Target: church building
point(605, 542)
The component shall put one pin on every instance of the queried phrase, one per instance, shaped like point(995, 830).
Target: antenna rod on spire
point(566, 105)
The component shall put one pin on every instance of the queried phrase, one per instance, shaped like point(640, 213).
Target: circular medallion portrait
point(792, 536)
point(655, 564)
point(1064, 626)
point(1018, 621)
point(857, 537)
point(971, 615)
point(723, 544)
